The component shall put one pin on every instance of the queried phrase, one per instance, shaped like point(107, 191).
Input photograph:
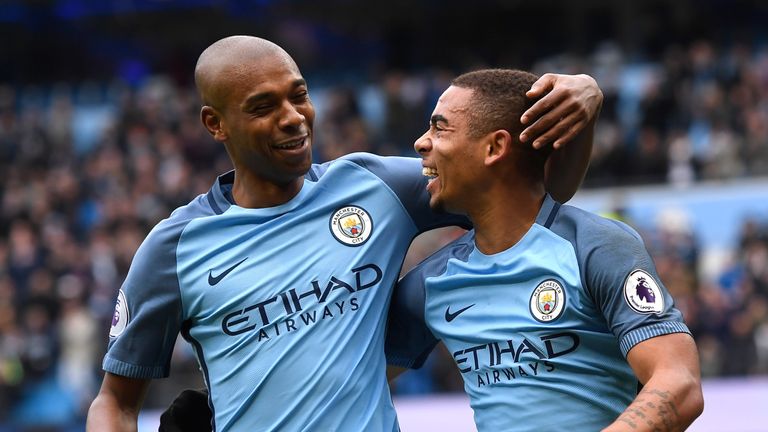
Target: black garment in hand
point(189, 412)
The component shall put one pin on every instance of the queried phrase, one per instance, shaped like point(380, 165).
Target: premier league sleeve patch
point(351, 225)
point(121, 317)
point(547, 301)
point(642, 293)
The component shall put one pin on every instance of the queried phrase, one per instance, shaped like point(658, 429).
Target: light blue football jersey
point(285, 306)
point(541, 330)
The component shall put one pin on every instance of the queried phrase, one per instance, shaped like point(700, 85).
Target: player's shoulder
point(391, 169)
point(595, 238)
point(367, 161)
point(590, 227)
point(370, 159)
point(199, 207)
point(164, 236)
point(437, 263)
point(602, 246)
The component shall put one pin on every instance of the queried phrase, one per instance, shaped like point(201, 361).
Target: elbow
point(697, 402)
point(692, 401)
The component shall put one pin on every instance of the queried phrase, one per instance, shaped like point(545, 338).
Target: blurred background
point(100, 139)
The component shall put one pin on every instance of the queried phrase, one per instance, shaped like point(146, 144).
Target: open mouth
point(292, 144)
point(429, 172)
point(432, 174)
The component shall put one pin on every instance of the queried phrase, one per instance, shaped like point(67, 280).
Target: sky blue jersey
point(285, 306)
point(541, 330)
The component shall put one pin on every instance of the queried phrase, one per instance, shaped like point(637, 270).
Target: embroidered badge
point(547, 301)
point(642, 293)
point(121, 317)
point(351, 225)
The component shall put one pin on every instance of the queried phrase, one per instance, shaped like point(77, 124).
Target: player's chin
point(301, 165)
point(302, 170)
point(447, 204)
point(436, 204)
point(293, 171)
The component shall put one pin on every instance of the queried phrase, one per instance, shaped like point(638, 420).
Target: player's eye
point(301, 96)
point(260, 110)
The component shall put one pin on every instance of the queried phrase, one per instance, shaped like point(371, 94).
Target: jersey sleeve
point(403, 176)
point(625, 286)
point(409, 341)
point(148, 312)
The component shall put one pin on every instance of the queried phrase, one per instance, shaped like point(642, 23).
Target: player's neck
point(250, 191)
point(503, 220)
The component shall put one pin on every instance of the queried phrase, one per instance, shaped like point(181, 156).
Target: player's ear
point(498, 146)
point(213, 122)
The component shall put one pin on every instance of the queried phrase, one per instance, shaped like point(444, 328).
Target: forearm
point(668, 402)
point(106, 415)
point(564, 114)
point(116, 407)
point(567, 166)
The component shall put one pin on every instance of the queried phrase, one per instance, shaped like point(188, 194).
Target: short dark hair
point(498, 99)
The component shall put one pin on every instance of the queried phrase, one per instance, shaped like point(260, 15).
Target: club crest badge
point(547, 301)
point(121, 317)
point(351, 225)
point(642, 293)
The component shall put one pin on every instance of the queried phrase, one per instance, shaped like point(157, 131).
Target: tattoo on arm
point(654, 408)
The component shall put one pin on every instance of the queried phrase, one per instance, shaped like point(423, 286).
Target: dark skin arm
point(394, 372)
point(116, 407)
point(671, 399)
point(565, 113)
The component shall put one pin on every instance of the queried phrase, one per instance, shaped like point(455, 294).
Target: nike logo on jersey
point(213, 280)
point(452, 316)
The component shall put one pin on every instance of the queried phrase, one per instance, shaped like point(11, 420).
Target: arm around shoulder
point(567, 166)
point(116, 407)
point(565, 115)
point(671, 399)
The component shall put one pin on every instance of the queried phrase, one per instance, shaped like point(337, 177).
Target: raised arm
point(116, 407)
point(671, 398)
point(565, 113)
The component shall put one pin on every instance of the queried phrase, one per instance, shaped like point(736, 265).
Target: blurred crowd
point(88, 168)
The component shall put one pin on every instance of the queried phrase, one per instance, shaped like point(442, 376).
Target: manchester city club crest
point(351, 225)
point(642, 293)
point(120, 318)
point(547, 301)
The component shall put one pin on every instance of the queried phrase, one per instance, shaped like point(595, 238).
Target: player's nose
point(423, 144)
point(291, 116)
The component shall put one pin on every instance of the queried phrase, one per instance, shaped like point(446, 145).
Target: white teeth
point(429, 171)
point(291, 144)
